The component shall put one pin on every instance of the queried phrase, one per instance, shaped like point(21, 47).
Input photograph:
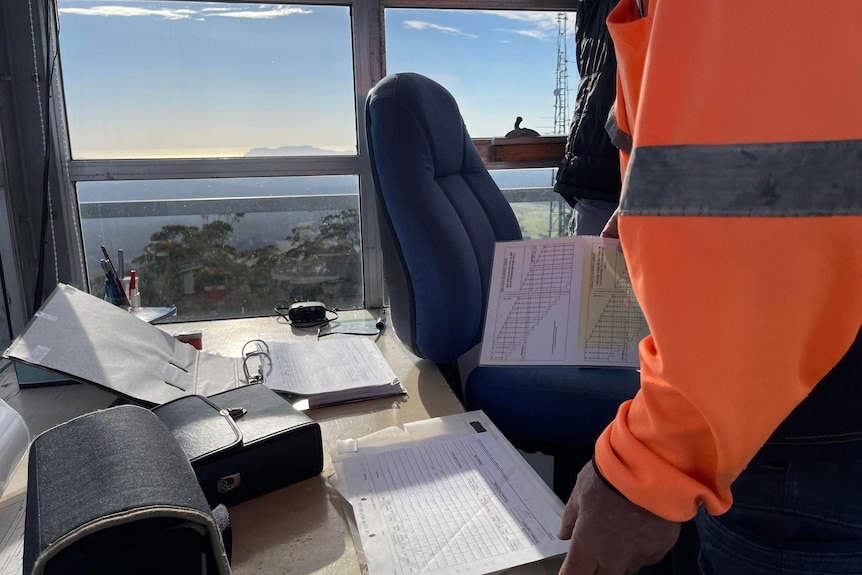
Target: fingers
point(578, 564)
point(610, 230)
point(570, 516)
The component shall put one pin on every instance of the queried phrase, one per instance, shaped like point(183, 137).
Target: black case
point(244, 442)
point(112, 492)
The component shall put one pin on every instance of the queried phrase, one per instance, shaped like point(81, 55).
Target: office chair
point(440, 214)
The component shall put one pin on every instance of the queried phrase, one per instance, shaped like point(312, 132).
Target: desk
point(302, 528)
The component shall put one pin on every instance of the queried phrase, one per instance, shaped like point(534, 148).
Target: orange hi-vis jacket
point(741, 222)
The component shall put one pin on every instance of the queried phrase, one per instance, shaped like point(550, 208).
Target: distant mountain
point(291, 151)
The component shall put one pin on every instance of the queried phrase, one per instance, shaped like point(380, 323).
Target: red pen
point(134, 294)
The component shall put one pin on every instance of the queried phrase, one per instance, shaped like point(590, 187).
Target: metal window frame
point(368, 41)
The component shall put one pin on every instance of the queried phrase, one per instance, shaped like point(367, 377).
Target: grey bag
point(113, 492)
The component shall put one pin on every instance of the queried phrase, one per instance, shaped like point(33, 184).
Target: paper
point(328, 371)
point(14, 441)
point(463, 503)
point(88, 339)
point(12, 536)
point(562, 301)
point(151, 314)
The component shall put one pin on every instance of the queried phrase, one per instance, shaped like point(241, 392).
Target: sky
point(202, 79)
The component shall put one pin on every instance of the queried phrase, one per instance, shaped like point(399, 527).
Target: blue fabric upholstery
point(440, 215)
point(444, 211)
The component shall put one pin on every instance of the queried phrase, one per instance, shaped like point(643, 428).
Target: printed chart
point(561, 301)
point(612, 323)
point(543, 286)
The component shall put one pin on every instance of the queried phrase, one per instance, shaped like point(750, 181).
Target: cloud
point(129, 11)
point(420, 25)
point(536, 33)
point(543, 25)
point(262, 12)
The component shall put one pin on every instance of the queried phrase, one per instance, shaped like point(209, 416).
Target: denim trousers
point(787, 519)
point(590, 216)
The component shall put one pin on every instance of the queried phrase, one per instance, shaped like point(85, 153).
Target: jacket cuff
point(604, 479)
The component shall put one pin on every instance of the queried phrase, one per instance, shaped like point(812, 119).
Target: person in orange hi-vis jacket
point(740, 125)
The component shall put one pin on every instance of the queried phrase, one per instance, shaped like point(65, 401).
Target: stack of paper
point(325, 372)
point(448, 496)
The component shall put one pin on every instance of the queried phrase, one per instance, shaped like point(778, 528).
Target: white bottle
point(134, 292)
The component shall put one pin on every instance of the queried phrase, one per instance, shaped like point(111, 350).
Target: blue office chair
point(440, 215)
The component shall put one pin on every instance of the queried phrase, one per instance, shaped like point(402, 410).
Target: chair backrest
point(440, 215)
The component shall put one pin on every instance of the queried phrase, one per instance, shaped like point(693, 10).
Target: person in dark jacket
point(589, 174)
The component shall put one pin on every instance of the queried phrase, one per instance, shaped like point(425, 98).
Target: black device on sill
point(306, 312)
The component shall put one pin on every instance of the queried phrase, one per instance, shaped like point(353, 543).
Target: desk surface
point(301, 528)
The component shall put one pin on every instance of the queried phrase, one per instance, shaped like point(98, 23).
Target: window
point(221, 145)
point(200, 79)
point(229, 247)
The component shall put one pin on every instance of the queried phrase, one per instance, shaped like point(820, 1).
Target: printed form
point(562, 301)
point(467, 504)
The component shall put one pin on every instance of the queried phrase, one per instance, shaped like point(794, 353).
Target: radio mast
point(561, 91)
point(557, 212)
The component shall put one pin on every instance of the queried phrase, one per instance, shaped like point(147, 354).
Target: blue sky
point(149, 79)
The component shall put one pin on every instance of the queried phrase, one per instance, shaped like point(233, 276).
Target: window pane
point(202, 79)
point(497, 64)
point(229, 247)
point(541, 212)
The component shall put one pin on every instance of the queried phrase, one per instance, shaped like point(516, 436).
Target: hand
point(609, 534)
point(610, 229)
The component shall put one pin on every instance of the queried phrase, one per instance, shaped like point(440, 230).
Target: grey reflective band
point(773, 180)
point(619, 138)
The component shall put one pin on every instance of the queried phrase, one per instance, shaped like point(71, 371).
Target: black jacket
point(591, 166)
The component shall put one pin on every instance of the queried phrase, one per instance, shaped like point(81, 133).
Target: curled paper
point(14, 440)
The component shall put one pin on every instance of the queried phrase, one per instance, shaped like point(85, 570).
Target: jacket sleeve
point(751, 281)
point(746, 316)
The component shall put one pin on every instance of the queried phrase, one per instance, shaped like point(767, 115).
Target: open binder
point(323, 372)
point(92, 341)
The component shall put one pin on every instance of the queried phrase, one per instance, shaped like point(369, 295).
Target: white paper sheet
point(14, 441)
point(12, 536)
point(457, 504)
point(562, 301)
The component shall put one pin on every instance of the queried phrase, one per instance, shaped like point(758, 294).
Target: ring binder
point(259, 377)
point(322, 372)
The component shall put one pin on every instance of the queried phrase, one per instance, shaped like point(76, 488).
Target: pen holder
point(110, 294)
point(113, 492)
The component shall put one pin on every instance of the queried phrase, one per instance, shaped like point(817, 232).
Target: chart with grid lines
point(612, 323)
point(546, 284)
point(561, 301)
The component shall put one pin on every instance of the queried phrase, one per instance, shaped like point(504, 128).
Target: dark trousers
point(788, 519)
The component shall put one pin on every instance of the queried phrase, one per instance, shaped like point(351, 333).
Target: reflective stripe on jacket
point(741, 222)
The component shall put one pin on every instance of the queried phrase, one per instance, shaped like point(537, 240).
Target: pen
point(122, 299)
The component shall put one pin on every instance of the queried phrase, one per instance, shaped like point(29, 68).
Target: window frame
point(369, 57)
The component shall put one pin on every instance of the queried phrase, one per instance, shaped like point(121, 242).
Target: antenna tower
point(561, 91)
point(557, 211)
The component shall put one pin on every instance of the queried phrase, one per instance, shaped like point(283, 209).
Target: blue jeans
point(790, 519)
point(589, 217)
